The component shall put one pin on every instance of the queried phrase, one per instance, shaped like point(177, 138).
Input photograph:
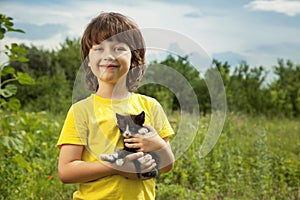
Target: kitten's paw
point(107, 157)
point(144, 159)
point(104, 157)
point(115, 155)
point(119, 162)
point(143, 131)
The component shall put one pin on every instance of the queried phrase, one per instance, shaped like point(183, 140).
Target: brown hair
point(121, 28)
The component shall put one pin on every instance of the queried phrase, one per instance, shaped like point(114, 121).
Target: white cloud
point(230, 30)
point(288, 7)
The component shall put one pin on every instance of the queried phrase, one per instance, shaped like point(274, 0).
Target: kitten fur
point(130, 125)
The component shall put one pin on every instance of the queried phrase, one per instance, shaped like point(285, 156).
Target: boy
point(113, 56)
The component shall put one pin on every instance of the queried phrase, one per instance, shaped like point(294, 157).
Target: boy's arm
point(71, 168)
point(166, 157)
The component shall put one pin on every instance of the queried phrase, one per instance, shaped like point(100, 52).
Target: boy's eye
point(120, 49)
point(99, 49)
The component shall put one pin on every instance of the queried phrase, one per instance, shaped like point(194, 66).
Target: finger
point(146, 166)
point(133, 140)
point(145, 159)
point(149, 167)
point(133, 146)
point(137, 135)
point(134, 156)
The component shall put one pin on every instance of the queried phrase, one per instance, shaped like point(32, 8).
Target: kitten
point(130, 125)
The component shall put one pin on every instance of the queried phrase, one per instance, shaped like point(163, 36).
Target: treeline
point(247, 89)
point(54, 73)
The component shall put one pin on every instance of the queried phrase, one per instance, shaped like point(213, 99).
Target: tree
point(52, 90)
point(176, 82)
point(285, 90)
point(69, 59)
point(8, 75)
point(54, 71)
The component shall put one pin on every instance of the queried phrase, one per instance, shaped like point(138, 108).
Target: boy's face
point(110, 61)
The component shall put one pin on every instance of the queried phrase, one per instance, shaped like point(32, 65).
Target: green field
point(254, 158)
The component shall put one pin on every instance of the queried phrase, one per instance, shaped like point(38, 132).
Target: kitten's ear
point(140, 118)
point(119, 117)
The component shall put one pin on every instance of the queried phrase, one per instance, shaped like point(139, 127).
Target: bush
point(29, 161)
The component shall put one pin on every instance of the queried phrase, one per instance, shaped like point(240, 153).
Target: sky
point(256, 31)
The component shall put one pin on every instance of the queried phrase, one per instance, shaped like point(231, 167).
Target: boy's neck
point(113, 91)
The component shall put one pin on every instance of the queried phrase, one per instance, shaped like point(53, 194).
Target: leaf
point(17, 30)
point(16, 49)
point(19, 58)
point(14, 104)
point(2, 33)
point(8, 91)
point(25, 79)
point(13, 143)
point(22, 162)
point(7, 70)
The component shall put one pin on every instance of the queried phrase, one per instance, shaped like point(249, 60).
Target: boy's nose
point(108, 56)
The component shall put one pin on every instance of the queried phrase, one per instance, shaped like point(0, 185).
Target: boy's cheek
point(93, 59)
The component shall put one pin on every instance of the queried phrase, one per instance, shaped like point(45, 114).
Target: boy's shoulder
point(144, 98)
point(83, 103)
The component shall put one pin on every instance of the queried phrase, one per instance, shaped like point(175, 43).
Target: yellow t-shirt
point(92, 122)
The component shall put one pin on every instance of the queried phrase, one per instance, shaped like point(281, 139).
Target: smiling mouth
point(109, 66)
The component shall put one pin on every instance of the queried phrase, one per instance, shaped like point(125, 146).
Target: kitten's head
point(130, 124)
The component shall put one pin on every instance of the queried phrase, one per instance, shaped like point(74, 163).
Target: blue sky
point(256, 31)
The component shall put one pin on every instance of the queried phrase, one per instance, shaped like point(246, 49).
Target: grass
point(254, 158)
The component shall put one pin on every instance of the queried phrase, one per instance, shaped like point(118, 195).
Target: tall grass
point(28, 158)
point(254, 158)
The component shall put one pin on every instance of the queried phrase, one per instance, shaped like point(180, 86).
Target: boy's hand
point(149, 142)
point(128, 168)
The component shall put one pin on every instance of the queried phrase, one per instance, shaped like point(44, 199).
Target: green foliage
point(6, 25)
point(54, 73)
point(246, 87)
point(255, 158)
point(68, 57)
point(29, 157)
point(173, 77)
point(285, 91)
point(248, 92)
point(8, 75)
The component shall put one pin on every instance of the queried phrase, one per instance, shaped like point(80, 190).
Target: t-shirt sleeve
point(74, 129)
point(160, 121)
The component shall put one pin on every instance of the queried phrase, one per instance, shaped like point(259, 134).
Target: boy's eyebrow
point(114, 43)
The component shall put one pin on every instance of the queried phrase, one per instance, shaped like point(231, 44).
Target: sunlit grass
point(254, 158)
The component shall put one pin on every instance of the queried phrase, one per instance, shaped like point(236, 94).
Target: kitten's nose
point(126, 134)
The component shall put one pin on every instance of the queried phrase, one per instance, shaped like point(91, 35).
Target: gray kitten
point(130, 125)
